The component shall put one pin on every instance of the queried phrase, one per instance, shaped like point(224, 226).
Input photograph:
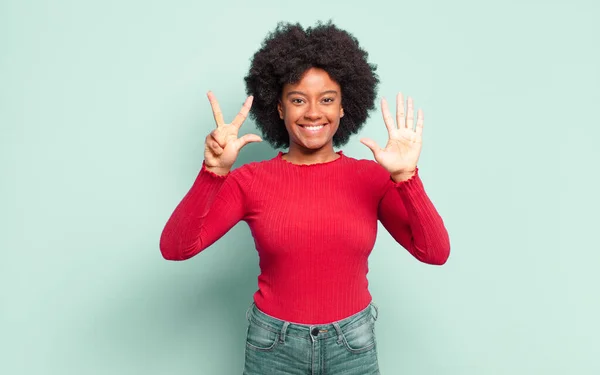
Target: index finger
point(387, 117)
point(243, 114)
point(215, 109)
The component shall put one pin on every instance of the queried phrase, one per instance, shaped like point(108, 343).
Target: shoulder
point(250, 171)
point(259, 167)
point(244, 169)
point(242, 176)
point(368, 168)
point(369, 173)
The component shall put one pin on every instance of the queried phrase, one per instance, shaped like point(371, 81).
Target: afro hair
point(290, 50)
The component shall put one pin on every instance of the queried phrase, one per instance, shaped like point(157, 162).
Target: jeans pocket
point(361, 338)
point(261, 338)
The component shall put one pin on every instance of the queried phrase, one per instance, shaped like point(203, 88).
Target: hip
point(275, 346)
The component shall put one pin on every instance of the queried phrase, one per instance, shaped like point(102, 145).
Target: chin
point(314, 146)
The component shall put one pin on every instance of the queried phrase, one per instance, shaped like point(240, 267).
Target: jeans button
point(315, 331)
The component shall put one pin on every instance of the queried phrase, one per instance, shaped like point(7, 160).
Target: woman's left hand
point(401, 154)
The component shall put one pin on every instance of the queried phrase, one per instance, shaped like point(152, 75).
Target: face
point(311, 110)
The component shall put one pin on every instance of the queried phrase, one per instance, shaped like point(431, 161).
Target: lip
point(309, 131)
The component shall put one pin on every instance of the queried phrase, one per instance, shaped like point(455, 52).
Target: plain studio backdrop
point(103, 115)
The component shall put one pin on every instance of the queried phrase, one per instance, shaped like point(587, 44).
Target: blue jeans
point(278, 347)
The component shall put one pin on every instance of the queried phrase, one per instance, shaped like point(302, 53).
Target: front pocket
point(260, 338)
point(360, 339)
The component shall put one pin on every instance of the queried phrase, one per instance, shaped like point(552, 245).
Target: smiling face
point(311, 110)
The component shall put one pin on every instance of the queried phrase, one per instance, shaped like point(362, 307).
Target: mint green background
point(103, 115)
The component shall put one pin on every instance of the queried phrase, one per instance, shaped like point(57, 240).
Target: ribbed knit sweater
point(314, 227)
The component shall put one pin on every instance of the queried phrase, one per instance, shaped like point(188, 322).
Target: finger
point(420, 121)
point(248, 138)
point(387, 117)
point(400, 119)
point(218, 137)
point(410, 116)
point(214, 104)
point(214, 147)
point(243, 114)
point(371, 145)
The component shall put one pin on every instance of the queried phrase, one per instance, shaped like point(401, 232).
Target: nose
point(312, 112)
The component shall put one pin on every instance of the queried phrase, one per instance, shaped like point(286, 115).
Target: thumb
point(370, 144)
point(248, 138)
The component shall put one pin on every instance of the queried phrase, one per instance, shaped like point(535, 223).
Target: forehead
point(313, 80)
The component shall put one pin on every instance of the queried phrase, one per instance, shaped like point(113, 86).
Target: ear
point(280, 109)
point(341, 112)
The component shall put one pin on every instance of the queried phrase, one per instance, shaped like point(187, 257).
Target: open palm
point(402, 151)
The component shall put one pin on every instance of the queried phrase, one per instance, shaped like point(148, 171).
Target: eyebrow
point(301, 93)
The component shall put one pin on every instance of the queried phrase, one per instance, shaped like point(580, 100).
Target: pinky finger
point(420, 120)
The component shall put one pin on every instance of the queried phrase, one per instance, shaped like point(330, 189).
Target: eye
point(297, 101)
point(328, 100)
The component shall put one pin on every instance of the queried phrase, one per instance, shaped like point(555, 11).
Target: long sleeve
point(411, 218)
point(212, 206)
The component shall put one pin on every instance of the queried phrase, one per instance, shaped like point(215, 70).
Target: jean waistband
point(321, 331)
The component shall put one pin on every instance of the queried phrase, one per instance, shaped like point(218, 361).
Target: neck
point(297, 155)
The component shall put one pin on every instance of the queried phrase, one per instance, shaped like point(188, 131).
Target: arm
point(215, 202)
point(410, 217)
point(405, 210)
point(212, 206)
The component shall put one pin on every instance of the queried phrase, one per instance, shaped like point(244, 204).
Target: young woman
point(313, 212)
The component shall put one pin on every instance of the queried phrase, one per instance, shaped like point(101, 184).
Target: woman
point(312, 211)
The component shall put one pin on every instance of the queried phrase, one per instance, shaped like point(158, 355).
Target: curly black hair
point(290, 50)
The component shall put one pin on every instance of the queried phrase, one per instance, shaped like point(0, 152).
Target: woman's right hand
point(222, 145)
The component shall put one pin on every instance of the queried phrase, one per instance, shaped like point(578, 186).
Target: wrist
point(217, 170)
point(403, 176)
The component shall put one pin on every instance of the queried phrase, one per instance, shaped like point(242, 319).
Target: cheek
point(289, 121)
point(291, 115)
point(335, 116)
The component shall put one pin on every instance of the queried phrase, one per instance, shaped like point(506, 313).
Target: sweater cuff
point(213, 175)
point(414, 182)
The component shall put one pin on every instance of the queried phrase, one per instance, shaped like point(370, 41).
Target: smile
point(312, 128)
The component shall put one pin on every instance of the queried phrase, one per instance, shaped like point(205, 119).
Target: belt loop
point(282, 333)
point(376, 310)
point(248, 311)
point(339, 332)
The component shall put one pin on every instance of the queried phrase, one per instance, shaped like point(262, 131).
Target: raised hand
point(402, 151)
point(222, 145)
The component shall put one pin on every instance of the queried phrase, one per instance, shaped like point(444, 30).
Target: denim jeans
point(278, 347)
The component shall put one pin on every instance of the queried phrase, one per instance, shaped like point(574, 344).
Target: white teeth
point(314, 127)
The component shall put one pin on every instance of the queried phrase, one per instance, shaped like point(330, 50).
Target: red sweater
point(314, 227)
